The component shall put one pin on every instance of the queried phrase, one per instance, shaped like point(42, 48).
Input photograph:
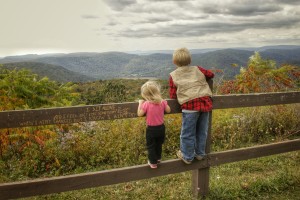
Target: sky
point(66, 26)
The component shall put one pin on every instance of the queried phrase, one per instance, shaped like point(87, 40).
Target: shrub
point(234, 128)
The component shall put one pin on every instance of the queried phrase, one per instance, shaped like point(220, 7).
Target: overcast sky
point(50, 26)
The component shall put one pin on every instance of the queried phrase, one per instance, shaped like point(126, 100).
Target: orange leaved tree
point(262, 75)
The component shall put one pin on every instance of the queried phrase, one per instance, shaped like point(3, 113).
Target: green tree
point(98, 92)
point(114, 92)
point(21, 89)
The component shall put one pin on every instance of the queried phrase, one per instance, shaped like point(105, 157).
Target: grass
point(274, 177)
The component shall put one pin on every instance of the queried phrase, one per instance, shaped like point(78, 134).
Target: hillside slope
point(56, 73)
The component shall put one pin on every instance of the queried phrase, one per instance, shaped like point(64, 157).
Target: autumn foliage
point(262, 76)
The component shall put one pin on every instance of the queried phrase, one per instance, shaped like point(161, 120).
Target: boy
point(188, 85)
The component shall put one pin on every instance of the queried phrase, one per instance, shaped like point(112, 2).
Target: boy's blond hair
point(182, 57)
point(151, 92)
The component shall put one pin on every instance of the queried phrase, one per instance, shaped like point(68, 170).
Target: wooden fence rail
point(200, 182)
point(67, 115)
point(126, 174)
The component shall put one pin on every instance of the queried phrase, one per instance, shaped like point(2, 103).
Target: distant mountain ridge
point(53, 72)
point(197, 51)
point(159, 64)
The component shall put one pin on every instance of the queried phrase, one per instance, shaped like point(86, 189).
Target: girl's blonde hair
point(151, 92)
point(182, 57)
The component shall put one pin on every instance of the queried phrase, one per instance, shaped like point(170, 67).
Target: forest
point(55, 150)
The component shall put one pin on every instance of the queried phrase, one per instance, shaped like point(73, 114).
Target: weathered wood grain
point(252, 100)
point(68, 115)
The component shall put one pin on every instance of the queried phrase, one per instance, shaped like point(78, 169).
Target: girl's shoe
point(152, 166)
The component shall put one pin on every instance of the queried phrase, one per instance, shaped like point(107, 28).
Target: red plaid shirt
point(203, 104)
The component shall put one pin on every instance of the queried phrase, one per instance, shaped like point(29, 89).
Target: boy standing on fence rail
point(154, 108)
point(188, 84)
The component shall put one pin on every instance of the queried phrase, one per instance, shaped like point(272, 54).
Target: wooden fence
point(200, 169)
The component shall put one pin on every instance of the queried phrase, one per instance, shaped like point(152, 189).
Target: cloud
point(249, 37)
point(90, 16)
point(191, 29)
point(156, 19)
point(241, 9)
point(288, 2)
point(195, 19)
point(119, 5)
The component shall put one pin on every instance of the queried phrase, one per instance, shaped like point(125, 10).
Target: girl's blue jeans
point(193, 134)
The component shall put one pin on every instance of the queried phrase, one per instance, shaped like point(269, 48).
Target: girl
point(154, 108)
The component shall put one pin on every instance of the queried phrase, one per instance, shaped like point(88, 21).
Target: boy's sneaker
point(180, 156)
point(152, 166)
point(198, 157)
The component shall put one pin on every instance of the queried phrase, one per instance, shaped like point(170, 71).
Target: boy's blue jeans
point(193, 134)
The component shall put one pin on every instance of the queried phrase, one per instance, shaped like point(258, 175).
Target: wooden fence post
point(200, 177)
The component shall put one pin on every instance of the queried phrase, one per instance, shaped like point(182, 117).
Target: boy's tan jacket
point(191, 83)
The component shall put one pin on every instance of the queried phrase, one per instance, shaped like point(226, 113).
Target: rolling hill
point(90, 66)
point(56, 73)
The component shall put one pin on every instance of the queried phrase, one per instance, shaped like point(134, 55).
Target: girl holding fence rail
point(154, 108)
